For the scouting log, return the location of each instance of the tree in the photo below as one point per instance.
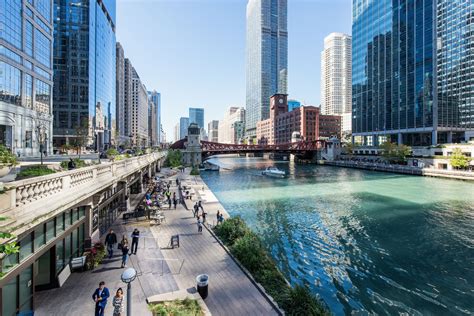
(395, 153)
(458, 160)
(82, 135)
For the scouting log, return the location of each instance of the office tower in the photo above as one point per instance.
(183, 127)
(152, 127)
(267, 58)
(336, 71)
(213, 131)
(293, 104)
(177, 132)
(196, 115)
(84, 71)
(139, 112)
(122, 136)
(411, 79)
(26, 39)
(226, 125)
(156, 99)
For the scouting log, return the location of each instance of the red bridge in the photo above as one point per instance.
(303, 149)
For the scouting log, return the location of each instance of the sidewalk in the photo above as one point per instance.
(162, 269)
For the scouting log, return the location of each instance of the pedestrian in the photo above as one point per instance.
(124, 252)
(71, 165)
(204, 217)
(200, 206)
(188, 196)
(221, 219)
(118, 302)
(217, 216)
(196, 208)
(169, 203)
(177, 181)
(199, 224)
(175, 201)
(135, 238)
(100, 296)
(110, 241)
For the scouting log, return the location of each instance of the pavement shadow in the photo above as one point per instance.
(106, 269)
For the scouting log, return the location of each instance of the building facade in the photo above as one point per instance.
(139, 112)
(156, 99)
(336, 74)
(330, 126)
(293, 104)
(226, 132)
(408, 62)
(196, 115)
(176, 132)
(121, 110)
(26, 45)
(267, 58)
(282, 124)
(152, 127)
(213, 131)
(84, 72)
(183, 127)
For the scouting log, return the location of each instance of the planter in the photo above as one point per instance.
(4, 170)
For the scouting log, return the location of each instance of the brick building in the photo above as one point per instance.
(279, 128)
(329, 126)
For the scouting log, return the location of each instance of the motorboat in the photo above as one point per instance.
(209, 166)
(274, 172)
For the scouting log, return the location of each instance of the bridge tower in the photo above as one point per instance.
(192, 154)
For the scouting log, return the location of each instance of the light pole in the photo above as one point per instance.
(127, 277)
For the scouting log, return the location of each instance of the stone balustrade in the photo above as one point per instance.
(28, 200)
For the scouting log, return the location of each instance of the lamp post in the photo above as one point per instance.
(127, 277)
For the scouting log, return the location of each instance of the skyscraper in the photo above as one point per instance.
(409, 60)
(139, 111)
(213, 131)
(26, 39)
(84, 70)
(183, 127)
(336, 83)
(267, 58)
(226, 133)
(122, 136)
(155, 97)
(196, 115)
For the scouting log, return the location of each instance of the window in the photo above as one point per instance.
(44, 7)
(67, 221)
(43, 96)
(26, 247)
(10, 84)
(59, 224)
(28, 87)
(67, 248)
(26, 289)
(10, 19)
(42, 48)
(50, 230)
(9, 295)
(59, 255)
(29, 38)
(39, 237)
(10, 54)
(28, 139)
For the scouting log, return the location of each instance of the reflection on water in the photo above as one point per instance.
(365, 242)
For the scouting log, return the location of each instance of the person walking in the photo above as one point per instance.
(196, 209)
(100, 296)
(175, 201)
(117, 302)
(110, 241)
(200, 205)
(217, 216)
(204, 217)
(124, 252)
(135, 238)
(199, 224)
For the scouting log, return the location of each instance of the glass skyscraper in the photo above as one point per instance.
(406, 57)
(267, 58)
(183, 127)
(196, 115)
(155, 97)
(84, 71)
(26, 39)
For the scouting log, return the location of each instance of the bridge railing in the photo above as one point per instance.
(28, 199)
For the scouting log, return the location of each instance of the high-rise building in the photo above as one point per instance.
(122, 136)
(177, 132)
(26, 39)
(213, 131)
(139, 112)
(226, 134)
(196, 115)
(152, 127)
(293, 104)
(336, 72)
(411, 78)
(156, 99)
(183, 127)
(267, 58)
(84, 71)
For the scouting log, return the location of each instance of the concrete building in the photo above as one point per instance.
(192, 155)
(267, 58)
(330, 126)
(139, 112)
(412, 78)
(84, 71)
(121, 110)
(26, 45)
(176, 131)
(196, 115)
(152, 127)
(183, 127)
(226, 133)
(281, 125)
(213, 131)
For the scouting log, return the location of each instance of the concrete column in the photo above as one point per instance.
(450, 137)
(434, 137)
(400, 139)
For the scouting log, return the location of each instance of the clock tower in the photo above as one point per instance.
(278, 105)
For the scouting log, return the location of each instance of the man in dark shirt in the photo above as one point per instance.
(110, 241)
(135, 238)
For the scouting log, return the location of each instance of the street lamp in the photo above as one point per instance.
(127, 277)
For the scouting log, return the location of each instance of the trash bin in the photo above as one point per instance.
(203, 285)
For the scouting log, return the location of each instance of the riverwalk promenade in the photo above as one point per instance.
(162, 269)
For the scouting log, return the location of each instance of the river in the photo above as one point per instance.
(363, 241)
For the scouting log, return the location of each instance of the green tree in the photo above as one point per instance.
(458, 160)
(395, 153)
(82, 136)
(174, 158)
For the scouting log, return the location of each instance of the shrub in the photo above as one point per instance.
(34, 171)
(6, 157)
(79, 163)
(194, 171)
(111, 152)
(177, 308)
(231, 229)
(173, 159)
(301, 301)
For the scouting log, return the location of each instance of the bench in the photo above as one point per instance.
(78, 263)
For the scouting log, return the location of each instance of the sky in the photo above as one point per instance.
(193, 51)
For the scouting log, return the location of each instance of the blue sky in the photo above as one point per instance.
(193, 51)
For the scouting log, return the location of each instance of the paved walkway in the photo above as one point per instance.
(162, 270)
